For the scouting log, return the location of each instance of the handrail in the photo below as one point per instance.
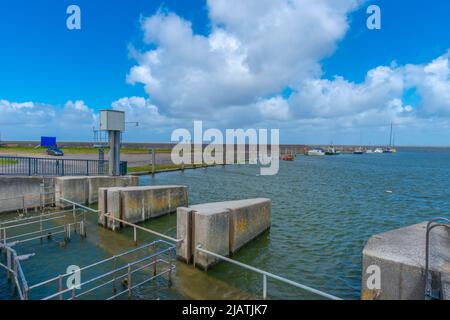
(154, 256)
(97, 263)
(267, 274)
(135, 226)
(79, 205)
(433, 223)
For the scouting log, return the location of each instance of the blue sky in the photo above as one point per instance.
(64, 72)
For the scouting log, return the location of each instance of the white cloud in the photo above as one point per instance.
(30, 120)
(255, 49)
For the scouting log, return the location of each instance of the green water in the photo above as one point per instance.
(324, 210)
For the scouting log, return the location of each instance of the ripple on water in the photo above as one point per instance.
(324, 210)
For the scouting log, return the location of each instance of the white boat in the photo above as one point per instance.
(316, 152)
(378, 150)
(369, 151)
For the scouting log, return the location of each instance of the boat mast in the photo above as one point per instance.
(390, 137)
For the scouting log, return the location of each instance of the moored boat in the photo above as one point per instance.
(316, 152)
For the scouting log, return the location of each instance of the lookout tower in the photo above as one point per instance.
(113, 121)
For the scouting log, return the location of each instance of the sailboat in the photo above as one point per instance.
(390, 148)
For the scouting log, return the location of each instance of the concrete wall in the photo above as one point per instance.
(400, 256)
(84, 189)
(106, 182)
(221, 227)
(138, 204)
(15, 192)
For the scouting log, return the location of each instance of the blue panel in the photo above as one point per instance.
(48, 141)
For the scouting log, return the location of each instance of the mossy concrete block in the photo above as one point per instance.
(220, 227)
(212, 232)
(97, 182)
(138, 204)
(184, 232)
(75, 189)
(248, 219)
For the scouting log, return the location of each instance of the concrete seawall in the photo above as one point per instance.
(138, 204)
(19, 192)
(221, 227)
(399, 257)
(84, 189)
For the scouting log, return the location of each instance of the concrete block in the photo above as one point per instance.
(107, 182)
(400, 256)
(17, 192)
(184, 232)
(220, 227)
(212, 232)
(109, 202)
(138, 204)
(143, 203)
(75, 189)
(248, 219)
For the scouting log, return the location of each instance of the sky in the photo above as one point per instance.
(310, 68)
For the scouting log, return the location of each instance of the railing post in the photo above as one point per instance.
(135, 236)
(60, 287)
(16, 283)
(153, 161)
(40, 228)
(170, 268)
(8, 263)
(26, 293)
(154, 266)
(264, 287)
(114, 275)
(129, 280)
(29, 166)
(87, 167)
(74, 210)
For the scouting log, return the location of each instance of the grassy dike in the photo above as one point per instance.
(147, 169)
(72, 150)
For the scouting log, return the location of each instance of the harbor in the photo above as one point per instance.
(314, 239)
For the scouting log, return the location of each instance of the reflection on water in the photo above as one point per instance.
(324, 209)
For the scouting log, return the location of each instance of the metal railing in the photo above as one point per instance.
(35, 230)
(14, 271)
(265, 275)
(432, 224)
(32, 166)
(132, 274)
(125, 272)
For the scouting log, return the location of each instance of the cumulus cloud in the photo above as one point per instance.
(30, 120)
(255, 49)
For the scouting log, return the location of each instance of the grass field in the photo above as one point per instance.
(159, 167)
(73, 150)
